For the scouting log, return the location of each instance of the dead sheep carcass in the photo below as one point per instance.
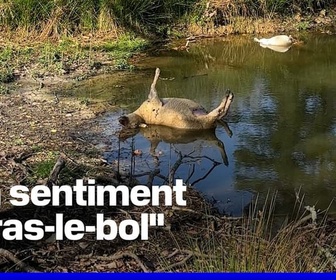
(175, 112)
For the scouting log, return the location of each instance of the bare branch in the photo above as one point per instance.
(116, 257)
(10, 256)
(59, 165)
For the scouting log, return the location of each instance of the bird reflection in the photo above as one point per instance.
(281, 49)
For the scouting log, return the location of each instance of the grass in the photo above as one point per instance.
(59, 18)
(42, 169)
(259, 244)
(6, 72)
(6, 75)
(59, 24)
(122, 49)
(126, 43)
(152, 18)
(67, 55)
(268, 8)
(4, 89)
(67, 37)
(255, 16)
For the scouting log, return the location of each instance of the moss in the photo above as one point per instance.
(42, 169)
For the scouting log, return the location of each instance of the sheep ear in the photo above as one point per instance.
(153, 93)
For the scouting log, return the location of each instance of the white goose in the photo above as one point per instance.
(279, 40)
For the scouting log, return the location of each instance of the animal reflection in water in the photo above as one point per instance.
(190, 147)
(280, 49)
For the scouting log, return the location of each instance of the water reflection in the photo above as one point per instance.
(283, 117)
(159, 155)
(280, 49)
(156, 134)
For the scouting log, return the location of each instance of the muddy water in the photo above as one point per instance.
(283, 121)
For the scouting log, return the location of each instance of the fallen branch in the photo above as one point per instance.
(312, 215)
(116, 257)
(207, 174)
(59, 165)
(10, 256)
(176, 165)
(224, 218)
(23, 156)
(196, 75)
(330, 257)
(151, 177)
(182, 262)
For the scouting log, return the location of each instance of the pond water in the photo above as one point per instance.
(282, 119)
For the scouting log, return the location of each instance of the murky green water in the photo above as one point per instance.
(283, 121)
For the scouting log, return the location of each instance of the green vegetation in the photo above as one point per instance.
(59, 17)
(3, 89)
(237, 16)
(259, 8)
(292, 250)
(43, 169)
(124, 45)
(6, 75)
(65, 36)
(56, 18)
(68, 55)
(6, 72)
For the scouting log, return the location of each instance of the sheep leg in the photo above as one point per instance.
(223, 108)
(153, 93)
(226, 127)
(222, 151)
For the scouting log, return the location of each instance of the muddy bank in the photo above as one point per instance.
(37, 125)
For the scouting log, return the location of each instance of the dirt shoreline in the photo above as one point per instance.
(37, 122)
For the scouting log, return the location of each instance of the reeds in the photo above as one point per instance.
(263, 242)
(150, 17)
(60, 17)
(261, 8)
